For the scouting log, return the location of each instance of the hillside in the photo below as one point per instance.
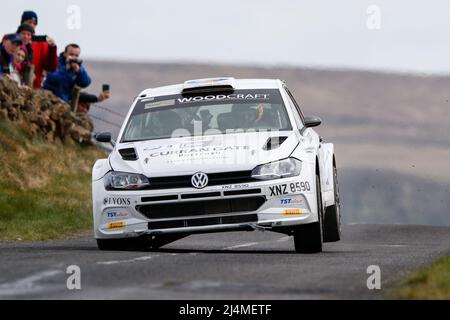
(45, 170)
(390, 130)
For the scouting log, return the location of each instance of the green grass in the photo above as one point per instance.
(432, 282)
(45, 189)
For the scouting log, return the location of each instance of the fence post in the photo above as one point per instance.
(75, 97)
(28, 75)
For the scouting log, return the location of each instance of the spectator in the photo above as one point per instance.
(26, 31)
(70, 72)
(9, 47)
(44, 53)
(18, 64)
(86, 99)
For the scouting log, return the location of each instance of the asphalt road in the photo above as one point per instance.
(238, 265)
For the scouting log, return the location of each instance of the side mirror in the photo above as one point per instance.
(312, 121)
(103, 137)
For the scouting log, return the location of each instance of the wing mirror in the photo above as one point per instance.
(312, 121)
(104, 137)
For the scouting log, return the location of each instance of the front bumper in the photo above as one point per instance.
(259, 205)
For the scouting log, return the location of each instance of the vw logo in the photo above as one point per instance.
(199, 180)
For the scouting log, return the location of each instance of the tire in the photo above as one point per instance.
(123, 244)
(308, 238)
(332, 221)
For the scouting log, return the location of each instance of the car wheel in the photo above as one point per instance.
(332, 221)
(308, 237)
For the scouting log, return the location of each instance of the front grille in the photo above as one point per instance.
(246, 218)
(214, 179)
(198, 208)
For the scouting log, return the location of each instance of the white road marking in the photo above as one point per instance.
(392, 245)
(241, 245)
(255, 243)
(27, 284)
(138, 259)
(284, 239)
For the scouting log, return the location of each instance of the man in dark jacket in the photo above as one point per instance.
(45, 54)
(8, 48)
(70, 72)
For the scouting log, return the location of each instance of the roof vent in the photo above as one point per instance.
(209, 85)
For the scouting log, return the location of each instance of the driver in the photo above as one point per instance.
(165, 122)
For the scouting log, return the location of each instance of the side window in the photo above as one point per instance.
(298, 116)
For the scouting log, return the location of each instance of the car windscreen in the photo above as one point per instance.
(206, 113)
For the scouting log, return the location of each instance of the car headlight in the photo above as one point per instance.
(288, 167)
(123, 180)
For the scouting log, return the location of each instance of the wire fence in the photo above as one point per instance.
(109, 111)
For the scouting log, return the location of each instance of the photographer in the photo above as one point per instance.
(86, 99)
(70, 72)
(43, 48)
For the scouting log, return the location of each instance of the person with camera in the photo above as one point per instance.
(8, 49)
(43, 49)
(69, 73)
(84, 103)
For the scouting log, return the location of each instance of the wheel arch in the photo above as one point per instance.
(326, 160)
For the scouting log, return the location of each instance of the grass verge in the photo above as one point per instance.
(45, 189)
(431, 282)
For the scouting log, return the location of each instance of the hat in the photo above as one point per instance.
(14, 38)
(25, 27)
(27, 15)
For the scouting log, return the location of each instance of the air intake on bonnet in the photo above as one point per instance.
(273, 143)
(128, 154)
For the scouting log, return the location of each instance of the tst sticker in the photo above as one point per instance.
(291, 200)
(112, 215)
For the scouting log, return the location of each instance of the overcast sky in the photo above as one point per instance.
(387, 35)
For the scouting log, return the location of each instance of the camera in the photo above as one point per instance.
(42, 38)
(105, 87)
(77, 61)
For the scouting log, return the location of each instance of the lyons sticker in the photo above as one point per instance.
(118, 201)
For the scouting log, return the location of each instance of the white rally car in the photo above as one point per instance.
(214, 155)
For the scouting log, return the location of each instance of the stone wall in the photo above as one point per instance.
(41, 114)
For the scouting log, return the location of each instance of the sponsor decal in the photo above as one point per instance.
(291, 200)
(116, 225)
(162, 103)
(116, 215)
(288, 188)
(225, 97)
(288, 212)
(191, 152)
(118, 201)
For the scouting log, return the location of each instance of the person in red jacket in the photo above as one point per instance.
(45, 54)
